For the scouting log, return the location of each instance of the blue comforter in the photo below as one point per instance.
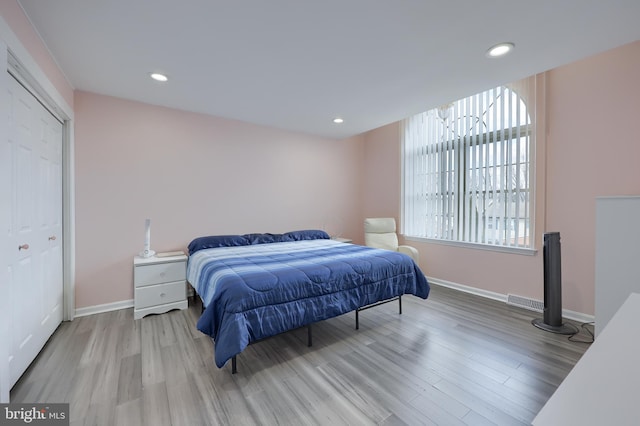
(256, 291)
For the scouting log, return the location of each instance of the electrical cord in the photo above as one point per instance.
(584, 327)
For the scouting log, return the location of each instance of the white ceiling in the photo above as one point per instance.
(296, 64)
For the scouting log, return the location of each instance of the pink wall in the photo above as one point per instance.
(591, 149)
(195, 175)
(382, 173)
(14, 16)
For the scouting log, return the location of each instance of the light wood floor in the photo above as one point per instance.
(452, 359)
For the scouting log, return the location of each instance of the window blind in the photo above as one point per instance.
(467, 168)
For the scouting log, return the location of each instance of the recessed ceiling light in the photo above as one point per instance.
(158, 77)
(500, 50)
(338, 120)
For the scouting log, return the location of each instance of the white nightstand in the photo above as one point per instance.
(159, 284)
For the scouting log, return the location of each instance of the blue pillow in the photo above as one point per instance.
(308, 234)
(215, 241)
(263, 238)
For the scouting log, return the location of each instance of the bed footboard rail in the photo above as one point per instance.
(373, 305)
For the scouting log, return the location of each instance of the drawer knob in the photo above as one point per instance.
(162, 274)
(162, 294)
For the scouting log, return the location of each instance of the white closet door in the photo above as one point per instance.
(35, 234)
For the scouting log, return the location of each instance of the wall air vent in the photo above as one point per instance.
(525, 302)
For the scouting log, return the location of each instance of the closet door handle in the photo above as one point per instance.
(23, 247)
(52, 238)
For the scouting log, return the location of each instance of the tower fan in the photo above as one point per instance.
(552, 313)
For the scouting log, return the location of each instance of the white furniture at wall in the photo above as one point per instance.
(603, 387)
(617, 263)
(159, 284)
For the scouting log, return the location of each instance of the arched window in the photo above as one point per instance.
(467, 169)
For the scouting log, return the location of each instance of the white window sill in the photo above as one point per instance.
(475, 246)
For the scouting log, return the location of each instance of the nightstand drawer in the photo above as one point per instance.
(157, 273)
(159, 294)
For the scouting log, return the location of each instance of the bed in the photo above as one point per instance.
(254, 286)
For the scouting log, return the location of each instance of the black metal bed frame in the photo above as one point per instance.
(373, 305)
(234, 364)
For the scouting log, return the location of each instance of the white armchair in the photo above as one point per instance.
(381, 233)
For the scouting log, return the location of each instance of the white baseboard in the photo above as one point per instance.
(566, 313)
(107, 307)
